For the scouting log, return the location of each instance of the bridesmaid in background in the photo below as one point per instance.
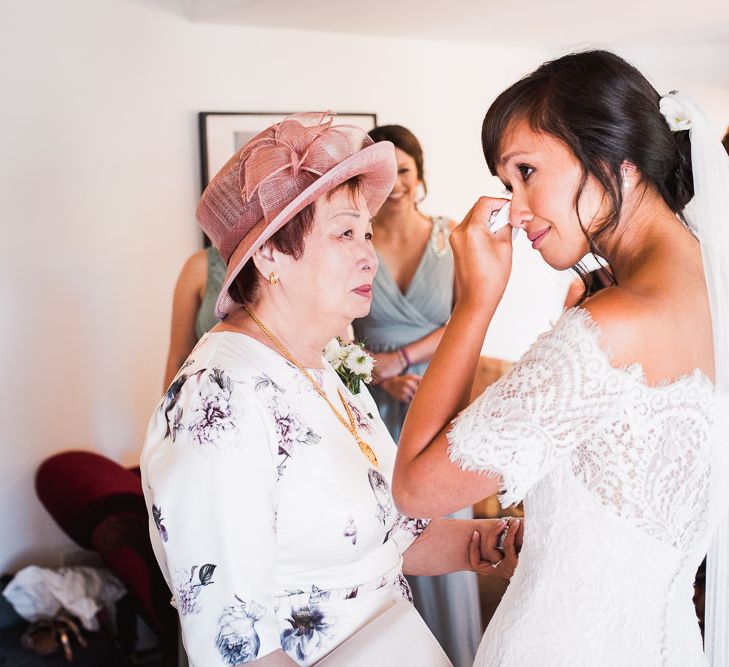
(412, 299)
(193, 306)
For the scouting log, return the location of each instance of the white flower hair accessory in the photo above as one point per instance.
(352, 363)
(676, 112)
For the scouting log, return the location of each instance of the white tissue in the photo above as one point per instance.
(499, 219)
(37, 592)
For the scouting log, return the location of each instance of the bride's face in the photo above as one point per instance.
(544, 177)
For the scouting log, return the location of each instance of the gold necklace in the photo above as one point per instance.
(348, 423)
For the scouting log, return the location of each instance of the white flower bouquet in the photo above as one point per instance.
(351, 362)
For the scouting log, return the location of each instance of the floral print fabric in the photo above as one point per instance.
(273, 531)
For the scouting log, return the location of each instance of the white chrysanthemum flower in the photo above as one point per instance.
(359, 362)
(332, 351)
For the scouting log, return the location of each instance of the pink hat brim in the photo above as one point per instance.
(375, 164)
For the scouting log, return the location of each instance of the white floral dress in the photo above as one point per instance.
(270, 526)
(621, 489)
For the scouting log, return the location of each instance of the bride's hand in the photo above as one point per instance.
(482, 259)
(510, 548)
(484, 556)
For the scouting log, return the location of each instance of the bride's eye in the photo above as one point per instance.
(526, 171)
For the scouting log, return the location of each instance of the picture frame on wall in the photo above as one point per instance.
(222, 133)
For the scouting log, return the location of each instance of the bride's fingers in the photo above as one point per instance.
(482, 210)
(511, 535)
(477, 563)
(489, 545)
(519, 537)
(511, 556)
(482, 259)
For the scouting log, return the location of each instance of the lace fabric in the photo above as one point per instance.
(600, 458)
(707, 215)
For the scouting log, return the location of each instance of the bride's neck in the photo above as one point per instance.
(649, 230)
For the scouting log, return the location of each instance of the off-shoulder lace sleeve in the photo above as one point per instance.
(527, 422)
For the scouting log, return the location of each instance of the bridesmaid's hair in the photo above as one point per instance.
(406, 141)
(605, 111)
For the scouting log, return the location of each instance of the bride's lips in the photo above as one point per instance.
(363, 290)
(537, 237)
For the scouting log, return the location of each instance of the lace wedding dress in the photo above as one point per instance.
(620, 487)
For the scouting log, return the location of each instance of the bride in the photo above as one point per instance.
(611, 426)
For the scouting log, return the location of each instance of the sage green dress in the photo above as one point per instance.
(206, 318)
(450, 603)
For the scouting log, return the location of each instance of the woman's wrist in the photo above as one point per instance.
(404, 358)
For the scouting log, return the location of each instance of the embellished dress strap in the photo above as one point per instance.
(439, 235)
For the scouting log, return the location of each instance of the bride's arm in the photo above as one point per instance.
(426, 482)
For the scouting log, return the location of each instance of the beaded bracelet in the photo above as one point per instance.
(404, 355)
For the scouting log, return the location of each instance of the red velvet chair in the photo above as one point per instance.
(99, 504)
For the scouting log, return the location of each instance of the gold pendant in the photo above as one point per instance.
(368, 452)
(352, 427)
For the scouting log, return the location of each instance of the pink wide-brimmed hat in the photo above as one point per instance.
(280, 172)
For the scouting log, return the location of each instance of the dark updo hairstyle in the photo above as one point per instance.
(406, 141)
(605, 111)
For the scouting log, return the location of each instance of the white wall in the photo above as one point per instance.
(99, 180)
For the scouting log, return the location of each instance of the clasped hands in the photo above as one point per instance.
(491, 553)
(388, 366)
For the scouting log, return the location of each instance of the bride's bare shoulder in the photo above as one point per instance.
(627, 323)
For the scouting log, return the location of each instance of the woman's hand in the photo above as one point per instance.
(484, 556)
(402, 387)
(482, 259)
(388, 364)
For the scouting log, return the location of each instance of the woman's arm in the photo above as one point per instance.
(189, 292)
(426, 482)
(424, 348)
(391, 364)
(200, 477)
(454, 545)
(277, 658)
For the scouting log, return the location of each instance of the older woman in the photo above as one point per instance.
(267, 479)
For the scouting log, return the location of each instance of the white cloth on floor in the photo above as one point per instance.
(38, 592)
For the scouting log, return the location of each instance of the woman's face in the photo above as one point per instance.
(332, 280)
(405, 192)
(543, 176)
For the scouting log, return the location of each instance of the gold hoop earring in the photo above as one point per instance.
(272, 278)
